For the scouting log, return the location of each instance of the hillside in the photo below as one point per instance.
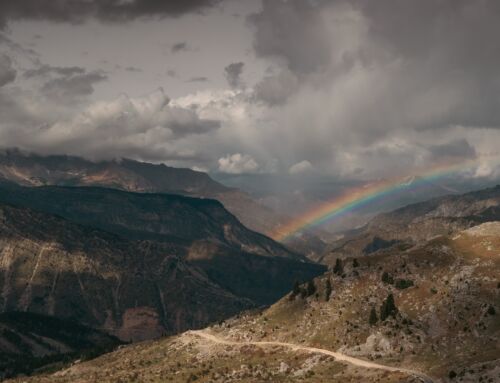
(29, 169)
(441, 325)
(416, 223)
(28, 342)
(161, 217)
(135, 289)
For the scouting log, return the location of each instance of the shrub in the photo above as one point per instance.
(491, 310)
(402, 284)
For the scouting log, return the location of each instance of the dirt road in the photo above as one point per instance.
(294, 347)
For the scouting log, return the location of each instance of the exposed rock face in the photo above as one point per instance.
(418, 223)
(51, 266)
(137, 265)
(28, 341)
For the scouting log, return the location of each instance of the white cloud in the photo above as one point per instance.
(300, 167)
(237, 164)
(145, 128)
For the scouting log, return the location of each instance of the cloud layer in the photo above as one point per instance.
(77, 11)
(356, 89)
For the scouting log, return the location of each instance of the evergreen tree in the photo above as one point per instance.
(328, 289)
(373, 317)
(387, 278)
(388, 308)
(355, 263)
(311, 288)
(295, 290)
(339, 267)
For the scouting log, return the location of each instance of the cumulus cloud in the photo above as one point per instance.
(145, 128)
(237, 164)
(7, 71)
(233, 73)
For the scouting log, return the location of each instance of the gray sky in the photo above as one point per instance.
(355, 89)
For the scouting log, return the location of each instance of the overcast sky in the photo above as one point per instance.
(359, 89)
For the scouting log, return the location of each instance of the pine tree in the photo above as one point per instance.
(328, 289)
(387, 278)
(295, 290)
(338, 268)
(388, 308)
(355, 263)
(373, 317)
(311, 288)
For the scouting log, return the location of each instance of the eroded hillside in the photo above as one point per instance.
(431, 311)
(135, 289)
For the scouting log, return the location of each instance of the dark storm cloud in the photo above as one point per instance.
(294, 31)
(7, 71)
(379, 82)
(76, 11)
(233, 73)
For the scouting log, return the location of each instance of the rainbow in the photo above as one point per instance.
(364, 195)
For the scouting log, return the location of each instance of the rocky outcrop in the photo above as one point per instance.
(417, 223)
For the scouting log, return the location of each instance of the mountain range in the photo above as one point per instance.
(412, 224)
(29, 169)
(115, 249)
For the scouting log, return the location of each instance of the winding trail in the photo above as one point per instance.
(294, 347)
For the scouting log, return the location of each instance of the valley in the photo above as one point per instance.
(442, 325)
(413, 296)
